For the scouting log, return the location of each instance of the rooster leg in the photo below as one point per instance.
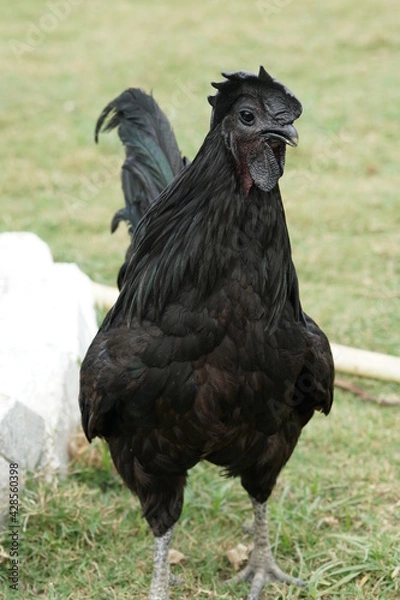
(161, 575)
(262, 567)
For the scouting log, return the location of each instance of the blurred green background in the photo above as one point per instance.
(62, 62)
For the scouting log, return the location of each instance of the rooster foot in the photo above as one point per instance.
(262, 567)
(260, 574)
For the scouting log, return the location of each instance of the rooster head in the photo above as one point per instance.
(256, 114)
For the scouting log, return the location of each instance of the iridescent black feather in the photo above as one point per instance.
(152, 159)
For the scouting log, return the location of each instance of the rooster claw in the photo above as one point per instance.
(261, 575)
(248, 529)
(175, 580)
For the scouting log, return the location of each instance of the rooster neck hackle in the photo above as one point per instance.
(197, 234)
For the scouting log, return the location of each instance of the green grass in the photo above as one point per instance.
(334, 520)
(335, 512)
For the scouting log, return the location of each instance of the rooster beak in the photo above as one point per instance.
(287, 134)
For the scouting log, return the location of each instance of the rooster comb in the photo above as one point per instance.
(243, 82)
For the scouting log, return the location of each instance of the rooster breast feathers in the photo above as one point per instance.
(206, 376)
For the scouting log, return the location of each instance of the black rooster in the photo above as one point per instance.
(207, 353)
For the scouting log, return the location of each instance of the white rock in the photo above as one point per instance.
(47, 320)
(22, 432)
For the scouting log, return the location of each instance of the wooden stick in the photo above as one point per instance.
(365, 363)
(105, 296)
(347, 360)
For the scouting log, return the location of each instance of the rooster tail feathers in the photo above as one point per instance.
(152, 159)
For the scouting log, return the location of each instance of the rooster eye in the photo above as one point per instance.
(247, 117)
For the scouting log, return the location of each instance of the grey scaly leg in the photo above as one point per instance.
(262, 567)
(160, 580)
